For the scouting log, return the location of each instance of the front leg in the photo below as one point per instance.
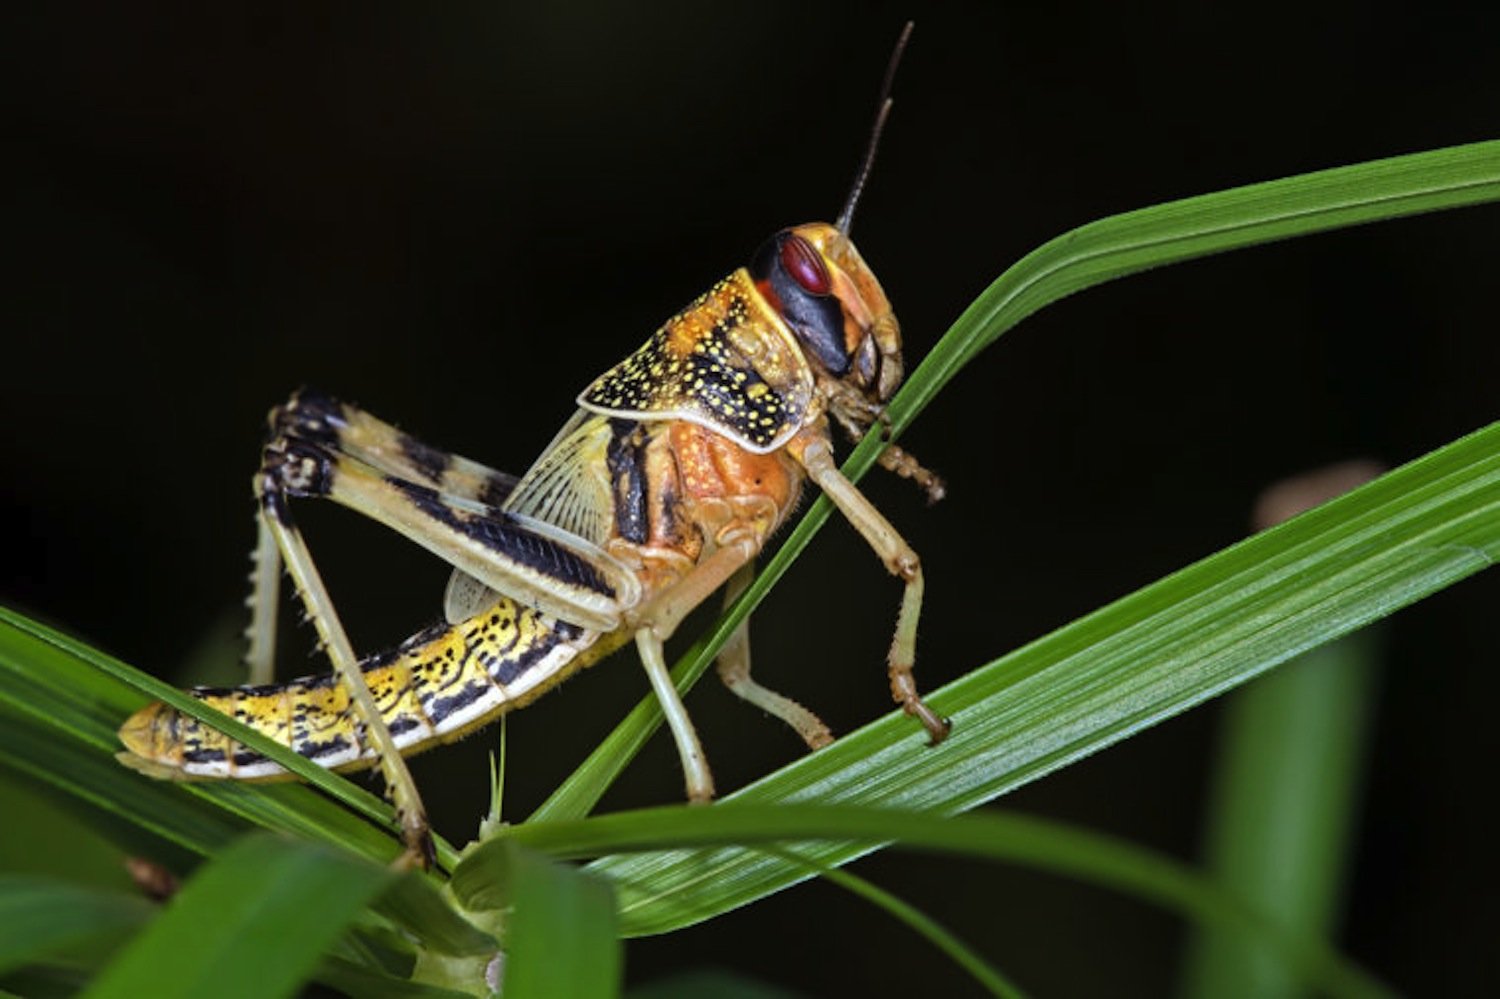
(899, 558)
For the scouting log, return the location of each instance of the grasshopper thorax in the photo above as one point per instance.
(815, 280)
(804, 329)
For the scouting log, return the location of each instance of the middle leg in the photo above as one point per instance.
(734, 670)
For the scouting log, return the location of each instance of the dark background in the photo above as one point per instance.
(456, 215)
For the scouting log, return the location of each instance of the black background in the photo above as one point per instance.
(457, 214)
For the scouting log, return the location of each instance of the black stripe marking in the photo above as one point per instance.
(274, 503)
(499, 533)
(626, 460)
(385, 657)
(443, 707)
(313, 750)
(511, 669)
(403, 723)
(319, 681)
(299, 467)
(428, 460)
(497, 488)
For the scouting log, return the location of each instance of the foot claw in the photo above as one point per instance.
(936, 725)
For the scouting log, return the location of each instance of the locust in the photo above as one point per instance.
(677, 467)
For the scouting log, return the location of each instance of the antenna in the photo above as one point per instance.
(882, 112)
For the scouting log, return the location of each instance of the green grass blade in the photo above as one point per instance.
(562, 937)
(415, 904)
(354, 980)
(1129, 665)
(1090, 255)
(96, 707)
(46, 919)
(1285, 794)
(81, 695)
(136, 814)
(250, 924)
(707, 835)
(1123, 668)
(1169, 233)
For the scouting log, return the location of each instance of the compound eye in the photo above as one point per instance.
(802, 262)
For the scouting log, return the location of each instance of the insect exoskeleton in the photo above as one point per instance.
(678, 465)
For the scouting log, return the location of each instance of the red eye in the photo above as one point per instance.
(802, 262)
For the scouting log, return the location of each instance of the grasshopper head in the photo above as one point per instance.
(817, 282)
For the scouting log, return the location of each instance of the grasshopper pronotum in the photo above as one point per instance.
(679, 464)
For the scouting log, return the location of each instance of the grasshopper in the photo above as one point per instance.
(679, 464)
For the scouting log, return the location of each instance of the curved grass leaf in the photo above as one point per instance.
(1090, 255)
(135, 814)
(562, 938)
(250, 924)
(723, 830)
(414, 904)
(1107, 675)
(73, 697)
(1152, 654)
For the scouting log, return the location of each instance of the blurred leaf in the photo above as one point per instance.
(1285, 791)
(354, 980)
(414, 904)
(251, 923)
(705, 837)
(43, 919)
(562, 936)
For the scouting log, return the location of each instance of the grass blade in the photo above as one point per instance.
(250, 924)
(1082, 258)
(78, 695)
(1285, 795)
(725, 830)
(415, 904)
(558, 910)
(1129, 665)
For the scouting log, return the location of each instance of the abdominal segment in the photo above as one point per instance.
(434, 687)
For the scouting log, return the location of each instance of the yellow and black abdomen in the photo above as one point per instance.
(435, 687)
